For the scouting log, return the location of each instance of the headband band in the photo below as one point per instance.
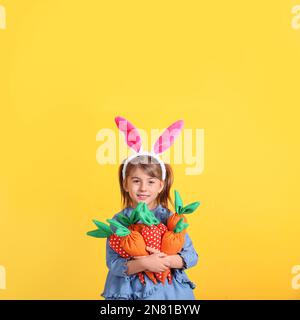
(151, 154)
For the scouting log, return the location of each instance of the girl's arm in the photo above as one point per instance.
(155, 262)
(175, 261)
(135, 266)
(188, 253)
(115, 263)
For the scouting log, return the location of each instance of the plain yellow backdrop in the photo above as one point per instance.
(231, 68)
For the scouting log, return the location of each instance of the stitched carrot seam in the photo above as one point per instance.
(114, 241)
(180, 211)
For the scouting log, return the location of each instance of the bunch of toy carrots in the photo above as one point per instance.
(129, 236)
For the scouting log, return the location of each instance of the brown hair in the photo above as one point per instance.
(152, 168)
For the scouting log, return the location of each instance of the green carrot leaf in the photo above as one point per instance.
(102, 226)
(120, 229)
(146, 215)
(155, 220)
(145, 218)
(180, 226)
(99, 233)
(151, 215)
(178, 202)
(190, 207)
(123, 219)
(134, 216)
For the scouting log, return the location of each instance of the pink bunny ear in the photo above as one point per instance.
(132, 136)
(168, 137)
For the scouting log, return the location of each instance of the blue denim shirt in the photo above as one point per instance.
(119, 285)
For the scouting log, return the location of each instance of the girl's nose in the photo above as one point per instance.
(143, 186)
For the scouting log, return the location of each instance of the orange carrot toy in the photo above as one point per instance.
(180, 211)
(172, 243)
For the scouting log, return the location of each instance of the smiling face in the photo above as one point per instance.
(143, 188)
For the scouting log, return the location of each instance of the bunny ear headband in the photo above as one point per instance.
(133, 140)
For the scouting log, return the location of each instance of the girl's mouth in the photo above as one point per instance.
(142, 196)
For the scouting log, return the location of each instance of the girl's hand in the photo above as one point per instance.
(156, 262)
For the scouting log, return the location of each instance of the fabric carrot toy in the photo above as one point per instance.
(180, 211)
(132, 242)
(152, 232)
(114, 241)
(172, 243)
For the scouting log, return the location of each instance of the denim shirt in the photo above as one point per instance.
(119, 285)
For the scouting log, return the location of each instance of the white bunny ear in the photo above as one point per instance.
(167, 138)
(132, 136)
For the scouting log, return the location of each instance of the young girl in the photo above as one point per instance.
(143, 182)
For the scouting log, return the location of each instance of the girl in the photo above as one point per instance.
(145, 178)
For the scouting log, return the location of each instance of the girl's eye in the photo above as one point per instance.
(135, 181)
(151, 182)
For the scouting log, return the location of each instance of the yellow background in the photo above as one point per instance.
(67, 68)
